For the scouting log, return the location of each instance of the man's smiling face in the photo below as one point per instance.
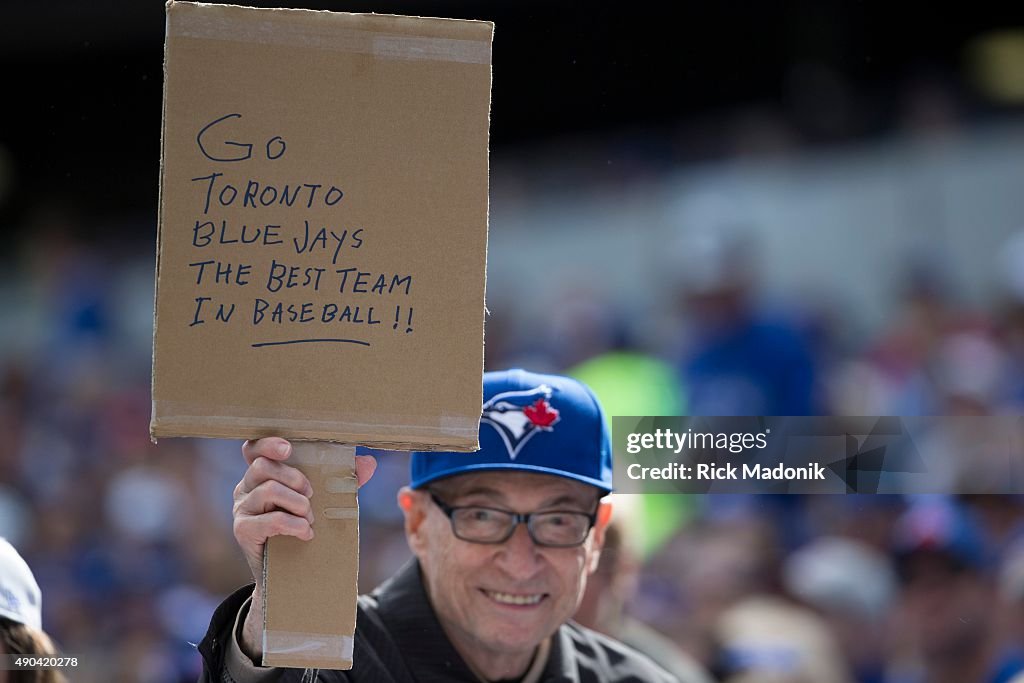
(505, 598)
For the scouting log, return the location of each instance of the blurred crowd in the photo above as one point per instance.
(131, 542)
(872, 589)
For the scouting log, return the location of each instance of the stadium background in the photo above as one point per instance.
(836, 185)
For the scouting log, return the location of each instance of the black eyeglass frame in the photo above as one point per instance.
(517, 519)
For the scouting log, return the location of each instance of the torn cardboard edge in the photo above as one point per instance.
(309, 614)
(160, 216)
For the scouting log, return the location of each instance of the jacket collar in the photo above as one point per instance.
(410, 619)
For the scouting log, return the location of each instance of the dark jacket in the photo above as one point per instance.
(399, 639)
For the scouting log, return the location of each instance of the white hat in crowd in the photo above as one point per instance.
(20, 597)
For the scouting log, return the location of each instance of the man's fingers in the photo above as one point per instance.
(263, 469)
(273, 495)
(366, 465)
(272, 447)
(256, 529)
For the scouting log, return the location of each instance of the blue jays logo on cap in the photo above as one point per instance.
(517, 407)
(518, 415)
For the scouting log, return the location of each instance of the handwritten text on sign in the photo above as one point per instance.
(314, 258)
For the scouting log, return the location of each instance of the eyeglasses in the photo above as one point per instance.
(552, 529)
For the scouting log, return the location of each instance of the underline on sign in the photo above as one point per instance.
(312, 341)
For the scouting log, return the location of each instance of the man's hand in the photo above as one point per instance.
(273, 499)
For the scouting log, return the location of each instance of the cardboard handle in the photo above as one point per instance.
(310, 587)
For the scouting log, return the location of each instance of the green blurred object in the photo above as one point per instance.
(632, 383)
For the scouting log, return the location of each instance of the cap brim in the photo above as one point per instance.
(492, 467)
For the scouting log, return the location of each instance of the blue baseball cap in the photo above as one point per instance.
(943, 527)
(535, 423)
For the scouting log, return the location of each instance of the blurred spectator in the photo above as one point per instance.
(853, 587)
(708, 567)
(603, 608)
(21, 627)
(765, 639)
(1011, 594)
(946, 630)
(628, 382)
(1012, 318)
(934, 359)
(741, 358)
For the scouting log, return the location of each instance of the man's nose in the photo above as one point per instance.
(519, 556)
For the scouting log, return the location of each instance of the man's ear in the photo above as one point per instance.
(412, 505)
(604, 515)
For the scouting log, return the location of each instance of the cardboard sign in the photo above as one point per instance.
(323, 227)
(320, 263)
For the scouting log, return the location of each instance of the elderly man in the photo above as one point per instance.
(503, 539)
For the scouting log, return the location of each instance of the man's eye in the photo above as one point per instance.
(480, 515)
